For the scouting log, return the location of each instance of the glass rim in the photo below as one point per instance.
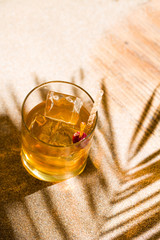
(46, 83)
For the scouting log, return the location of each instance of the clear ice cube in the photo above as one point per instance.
(52, 132)
(61, 134)
(63, 107)
(38, 121)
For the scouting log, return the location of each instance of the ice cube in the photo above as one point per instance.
(46, 131)
(56, 133)
(63, 107)
(43, 127)
(38, 121)
(51, 131)
(62, 136)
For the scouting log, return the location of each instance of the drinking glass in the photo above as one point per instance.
(45, 159)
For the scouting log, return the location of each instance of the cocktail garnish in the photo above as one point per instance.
(94, 110)
(82, 127)
(77, 137)
(80, 134)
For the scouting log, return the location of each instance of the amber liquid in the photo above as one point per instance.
(47, 149)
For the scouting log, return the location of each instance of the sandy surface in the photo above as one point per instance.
(117, 196)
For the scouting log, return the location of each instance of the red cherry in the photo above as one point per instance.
(77, 138)
(83, 136)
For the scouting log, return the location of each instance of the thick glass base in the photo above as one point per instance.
(49, 177)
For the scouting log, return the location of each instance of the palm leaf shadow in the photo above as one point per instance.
(141, 184)
(53, 212)
(152, 169)
(81, 74)
(149, 130)
(153, 219)
(80, 78)
(90, 199)
(43, 92)
(141, 226)
(151, 126)
(134, 206)
(149, 158)
(28, 215)
(155, 236)
(152, 173)
(14, 98)
(110, 139)
(134, 189)
(15, 182)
